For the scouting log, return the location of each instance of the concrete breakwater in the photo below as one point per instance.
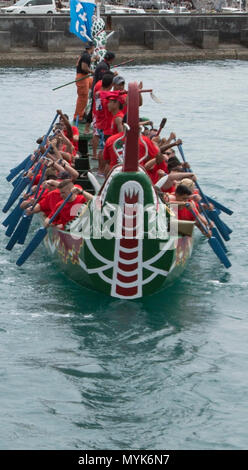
(37, 39)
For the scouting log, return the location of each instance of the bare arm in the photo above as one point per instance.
(35, 210)
(150, 164)
(140, 86)
(106, 169)
(66, 122)
(62, 165)
(60, 155)
(172, 177)
(87, 195)
(119, 124)
(70, 146)
(170, 145)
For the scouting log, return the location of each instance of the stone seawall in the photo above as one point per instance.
(45, 39)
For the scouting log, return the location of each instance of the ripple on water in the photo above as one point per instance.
(84, 372)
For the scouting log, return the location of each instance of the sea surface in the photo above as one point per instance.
(78, 371)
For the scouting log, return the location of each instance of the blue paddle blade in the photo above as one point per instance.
(17, 181)
(12, 216)
(20, 232)
(11, 228)
(228, 229)
(23, 228)
(14, 222)
(218, 222)
(35, 242)
(213, 242)
(216, 235)
(220, 206)
(11, 175)
(12, 241)
(18, 168)
(14, 196)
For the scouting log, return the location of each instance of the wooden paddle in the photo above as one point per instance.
(153, 97)
(161, 126)
(91, 73)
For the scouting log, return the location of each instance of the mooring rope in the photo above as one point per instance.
(174, 37)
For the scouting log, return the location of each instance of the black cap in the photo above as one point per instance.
(89, 45)
(109, 55)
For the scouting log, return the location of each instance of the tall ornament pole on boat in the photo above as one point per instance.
(99, 35)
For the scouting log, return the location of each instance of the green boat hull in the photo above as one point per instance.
(117, 260)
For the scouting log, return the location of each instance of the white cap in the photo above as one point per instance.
(161, 182)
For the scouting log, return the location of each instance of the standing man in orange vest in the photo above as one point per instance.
(83, 86)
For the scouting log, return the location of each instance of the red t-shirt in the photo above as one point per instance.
(113, 124)
(48, 202)
(44, 194)
(185, 214)
(109, 154)
(97, 88)
(75, 132)
(68, 212)
(153, 172)
(171, 190)
(124, 109)
(108, 116)
(31, 198)
(151, 149)
(37, 178)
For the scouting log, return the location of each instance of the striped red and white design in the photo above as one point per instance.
(128, 257)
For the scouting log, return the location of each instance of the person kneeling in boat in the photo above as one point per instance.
(113, 151)
(72, 207)
(49, 184)
(157, 167)
(71, 132)
(183, 194)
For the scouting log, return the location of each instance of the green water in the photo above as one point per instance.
(81, 372)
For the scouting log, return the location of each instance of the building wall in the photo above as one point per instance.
(24, 28)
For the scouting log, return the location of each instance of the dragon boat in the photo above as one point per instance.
(125, 243)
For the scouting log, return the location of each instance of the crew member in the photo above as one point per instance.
(83, 86)
(70, 210)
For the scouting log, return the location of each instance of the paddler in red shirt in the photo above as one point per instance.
(147, 149)
(70, 210)
(115, 106)
(119, 85)
(71, 132)
(98, 112)
(183, 194)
